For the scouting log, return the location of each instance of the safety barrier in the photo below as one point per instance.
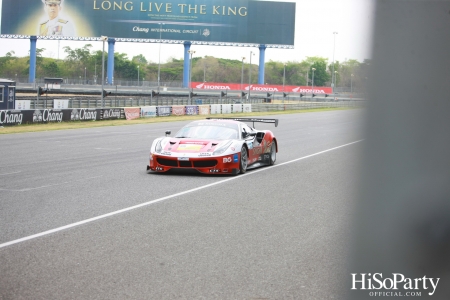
(36, 116)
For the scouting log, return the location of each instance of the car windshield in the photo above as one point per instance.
(209, 131)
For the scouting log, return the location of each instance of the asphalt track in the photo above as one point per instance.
(80, 218)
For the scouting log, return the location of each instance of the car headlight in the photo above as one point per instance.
(223, 148)
(160, 145)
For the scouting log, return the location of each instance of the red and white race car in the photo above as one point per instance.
(215, 146)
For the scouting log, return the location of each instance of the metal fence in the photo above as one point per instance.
(258, 105)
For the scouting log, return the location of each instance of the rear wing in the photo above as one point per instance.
(252, 120)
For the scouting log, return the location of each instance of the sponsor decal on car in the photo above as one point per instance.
(235, 158)
(204, 154)
(257, 151)
(183, 158)
(227, 160)
(189, 147)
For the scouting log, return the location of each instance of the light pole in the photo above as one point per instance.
(242, 78)
(138, 78)
(191, 52)
(351, 85)
(104, 39)
(312, 82)
(250, 75)
(333, 75)
(159, 54)
(84, 75)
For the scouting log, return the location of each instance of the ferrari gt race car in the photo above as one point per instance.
(215, 146)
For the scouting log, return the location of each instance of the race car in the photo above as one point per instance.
(215, 146)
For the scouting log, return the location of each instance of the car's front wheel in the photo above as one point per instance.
(243, 162)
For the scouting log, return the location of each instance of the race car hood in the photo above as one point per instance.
(184, 145)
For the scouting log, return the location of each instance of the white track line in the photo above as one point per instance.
(37, 235)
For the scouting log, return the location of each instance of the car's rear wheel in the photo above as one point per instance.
(243, 162)
(273, 153)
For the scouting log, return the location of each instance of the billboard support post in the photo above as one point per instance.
(103, 39)
(110, 65)
(262, 52)
(191, 52)
(32, 73)
(187, 47)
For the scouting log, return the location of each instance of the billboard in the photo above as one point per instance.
(266, 88)
(208, 21)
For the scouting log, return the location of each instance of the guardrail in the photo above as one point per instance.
(46, 102)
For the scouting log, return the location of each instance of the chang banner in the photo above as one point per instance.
(229, 21)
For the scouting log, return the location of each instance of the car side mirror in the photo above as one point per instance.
(168, 132)
(246, 134)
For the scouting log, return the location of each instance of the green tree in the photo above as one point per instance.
(77, 59)
(172, 71)
(125, 68)
(321, 76)
(50, 69)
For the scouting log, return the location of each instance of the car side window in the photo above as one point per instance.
(246, 130)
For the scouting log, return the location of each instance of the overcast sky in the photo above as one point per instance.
(316, 20)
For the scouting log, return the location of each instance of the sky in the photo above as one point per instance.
(316, 20)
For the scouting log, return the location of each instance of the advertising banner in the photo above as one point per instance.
(11, 117)
(203, 110)
(178, 110)
(148, 111)
(132, 113)
(192, 110)
(60, 104)
(268, 88)
(163, 111)
(113, 114)
(237, 108)
(226, 108)
(22, 104)
(84, 114)
(36, 116)
(229, 21)
(215, 109)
